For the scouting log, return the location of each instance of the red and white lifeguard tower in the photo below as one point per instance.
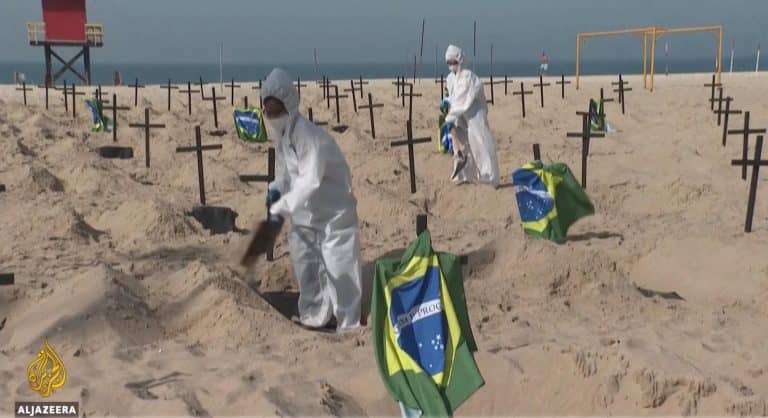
(65, 25)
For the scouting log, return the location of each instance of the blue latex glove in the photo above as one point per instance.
(449, 126)
(273, 195)
(445, 105)
(276, 219)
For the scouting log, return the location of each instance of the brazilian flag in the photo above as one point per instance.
(101, 123)
(249, 124)
(550, 199)
(421, 334)
(596, 115)
(444, 140)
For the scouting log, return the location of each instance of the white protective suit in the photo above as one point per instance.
(469, 113)
(315, 183)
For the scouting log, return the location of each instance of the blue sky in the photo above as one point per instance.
(286, 31)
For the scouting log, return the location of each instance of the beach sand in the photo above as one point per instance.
(152, 316)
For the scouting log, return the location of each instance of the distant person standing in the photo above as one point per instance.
(544, 63)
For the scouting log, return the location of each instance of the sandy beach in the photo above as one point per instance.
(656, 305)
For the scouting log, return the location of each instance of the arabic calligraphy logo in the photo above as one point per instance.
(46, 372)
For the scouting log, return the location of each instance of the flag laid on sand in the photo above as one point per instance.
(421, 333)
(596, 115)
(100, 123)
(250, 125)
(445, 142)
(550, 199)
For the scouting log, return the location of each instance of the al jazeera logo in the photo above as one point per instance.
(46, 374)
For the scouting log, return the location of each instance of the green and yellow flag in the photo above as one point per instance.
(421, 333)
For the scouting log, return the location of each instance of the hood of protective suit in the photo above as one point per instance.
(454, 53)
(280, 86)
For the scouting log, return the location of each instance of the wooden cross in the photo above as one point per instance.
(189, 92)
(24, 89)
(312, 119)
(602, 97)
(199, 148)
(337, 96)
(115, 108)
(745, 144)
(727, 112)
(215, 99)
(299, 86)
(269, 178)
(325, 85)
(354, 97)
(541, 86)
(755, 163)
(169, 87)
(232, 86)
(586, 135)
(400, 84)
(2, 188)
(421, 226)
(562, 84)
(260, 99)
(410, 141)
(370, 107)
(136, 86)
(202, 88)
(491, 83)
(45, 86)
(536, 152)
(74, 100)
(410, 95)
(7, 279)
(66, 99)
(442, 84)
(719, 101)
(522, 94)
(360, 84)
(621, 90)
(100, 95)
(712, 98)
(146, 126)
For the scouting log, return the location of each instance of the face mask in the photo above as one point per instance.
(454, 68)
(276, 127)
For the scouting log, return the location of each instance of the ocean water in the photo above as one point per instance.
(154, 73)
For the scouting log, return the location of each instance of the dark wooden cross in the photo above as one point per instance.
(727, 112)
(536, 152)
(370, 108)
(46, 86)
(522, 94)
(299, 86)
(189, 92)
(755, 163)
(586, 135)
(232, 86)
(100, 95)
(75, 93)
(506, 84)
(337, 96)
(199, 148)
(541, 86)
(215, 99)
(260, 99)
(7, 279)
(562, 84)
(325, 86)
(354, 96)
(712, 98)
(66, 99)
(202, 88)
(603, 98)
(114, 109)
(410, 141)
(719, 101)
(442, 84)
(136, 86)
(2, 188)
(269, 178)
(621, 90)
(169, 87)
(360, 84)
(410, 95)
(421, 226)
(400, 84)
(146, 126)
(24, 91)
(491, 83)
(312, 119)
(745, 142)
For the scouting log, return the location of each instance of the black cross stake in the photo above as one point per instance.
(270, 177)
(46, 87)
(66, 99)
(712, 98)
(199, 148)
(169, 87)
(189, 92)
(506, 83)
(100, 95)
(522, 94)
(491, 83)
(410, 95)
(410, 141)
(258, 88)
(146, 126)
(745, 144)
(621, 90)
(114, 109)
(337, 96)
(442, 84)
(585, 135)
(727, 112)
(360, 84)
(602, 97)
(325, 86)
(536, 152)
(354, 97)
(312, 119)
(400, 84)
(719, 101)
(562, 84)
(232, 86)
(136, 86)
(24, 89)
(202, 88)
(215, 99)
(541, 86)
(75, 93)
(755, 163)
(370, 107)
(7, 279)
(299, 86)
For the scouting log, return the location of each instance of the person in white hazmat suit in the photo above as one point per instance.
(474, 147)
(313, 189)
